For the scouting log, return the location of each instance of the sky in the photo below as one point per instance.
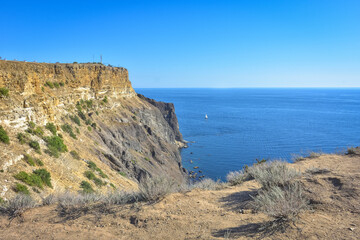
(197, 43)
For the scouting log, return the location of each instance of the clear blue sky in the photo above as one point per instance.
(249, 43)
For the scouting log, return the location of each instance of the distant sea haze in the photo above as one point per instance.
(246, 124)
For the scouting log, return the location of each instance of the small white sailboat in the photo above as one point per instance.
(206, 116)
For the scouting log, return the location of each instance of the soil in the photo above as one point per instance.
(332, 184)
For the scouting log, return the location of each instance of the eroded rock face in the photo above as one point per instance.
(168, 112)
(133, 135)
(29, 78)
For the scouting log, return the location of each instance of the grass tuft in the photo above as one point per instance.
(86, 187)
(75, 155)
(51, 127)
(4, 92)
(3, 136)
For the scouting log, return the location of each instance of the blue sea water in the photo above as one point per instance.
(245, 124)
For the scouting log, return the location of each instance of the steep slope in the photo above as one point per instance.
(100, 119)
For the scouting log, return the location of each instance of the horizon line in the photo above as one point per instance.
(357, 87)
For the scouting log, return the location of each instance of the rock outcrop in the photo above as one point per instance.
(127, 136)
(168, 112)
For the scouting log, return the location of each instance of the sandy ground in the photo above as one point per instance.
(335, 212)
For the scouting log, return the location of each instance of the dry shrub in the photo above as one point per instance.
(207, 184)
(303, 156)
(156, 188)
(281, 195)
(237, 177)
(276, 173)
(49, 200)
(283, 204)
(69, 199)
(353, 151)
(16, 206)
(315, 154)
(121, 197)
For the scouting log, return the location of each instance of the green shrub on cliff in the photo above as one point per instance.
(29, 160)
(75, 119)
(37, 178)
(20, 188)
(68, 129)
(49, 84)
(86, 187)
(82, 115)
(89, 103)
(51, 127)
(35, 145)
(93, 167)
(39, 162)
(3, 136)
(98, 182)
(89, 175)
(23, 138)
(32, 125)
(75, 155)
(4, 92)
(44, 175)
(55, 146)
(31, 180)
(38, 131)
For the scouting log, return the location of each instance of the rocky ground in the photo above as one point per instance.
(332, 183)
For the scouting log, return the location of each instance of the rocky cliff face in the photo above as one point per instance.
(168, 112)
(126, 136)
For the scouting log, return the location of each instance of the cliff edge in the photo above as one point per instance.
(109, 132)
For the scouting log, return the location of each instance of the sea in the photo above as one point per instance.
(245, 124)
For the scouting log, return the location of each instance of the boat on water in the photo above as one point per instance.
(206, 116)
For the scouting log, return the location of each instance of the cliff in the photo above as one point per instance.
(99, 117)
(168, 112)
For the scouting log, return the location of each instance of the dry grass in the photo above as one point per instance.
(16, 206)
(207, 184)
(237, 177)
(156, 188)
(271, 174)
(281, 196)
(303, 156)
(121, 197)
(283, 204)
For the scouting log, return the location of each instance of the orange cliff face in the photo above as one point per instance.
(43, 89)
(29, 78)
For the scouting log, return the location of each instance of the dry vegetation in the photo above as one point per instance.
(271, 200)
